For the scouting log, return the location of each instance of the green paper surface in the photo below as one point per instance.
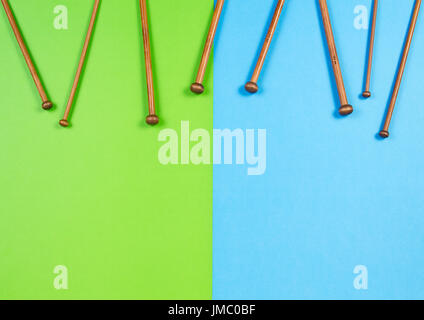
(94, 197)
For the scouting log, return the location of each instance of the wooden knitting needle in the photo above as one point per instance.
(384, 133)
(197, 87)
(64, 122)
(367, 92)
(345, 108)
(252, 86)
(152, 118)
(46, 103)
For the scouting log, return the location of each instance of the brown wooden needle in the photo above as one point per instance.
(46, 103)
(252, 85)
(152, 118)
(64, 122)
(345, 108)
(367, 92)
(384, 133)
(197, 87)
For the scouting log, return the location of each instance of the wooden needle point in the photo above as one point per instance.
(366, 94)
(197, 86)
(46, 103)
(64, 121)
(345, 108)
(384, 133)
(252, 85)
(152, 119)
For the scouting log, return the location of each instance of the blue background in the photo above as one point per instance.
(334, 195)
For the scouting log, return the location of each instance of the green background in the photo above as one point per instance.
(94, 197)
